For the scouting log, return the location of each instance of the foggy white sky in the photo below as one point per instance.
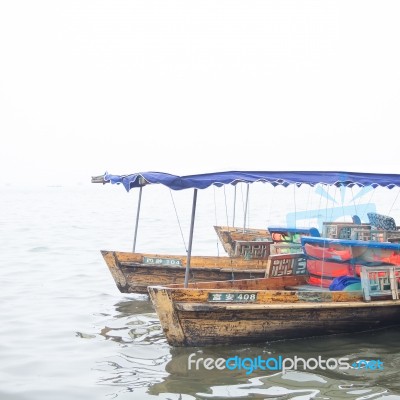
(194, 86)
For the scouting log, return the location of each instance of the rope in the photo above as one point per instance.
(369, 202)
(394, 202)
(355, 206)
(234, 208)
(215, 208)
(216, 221)
(333, 203)
(272, 198)
(295, 209)
(320, 200)
(326, 205)
(342, 204)
(226, 208)
(177, 217)
(243, 205)
(308, 212)
(358, 204)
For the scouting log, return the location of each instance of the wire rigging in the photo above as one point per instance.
(295, 209)
(355, 205)
(177, 217)
(226, 208)
(391, 207)
(216, 220)
(362, 216)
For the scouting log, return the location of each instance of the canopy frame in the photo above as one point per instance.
(275, 178)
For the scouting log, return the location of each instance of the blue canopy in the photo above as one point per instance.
(275, 178)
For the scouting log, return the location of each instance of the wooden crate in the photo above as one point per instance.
(346, 230)
(381, 281)
(385, 236)
(293, 264)
(252, 249)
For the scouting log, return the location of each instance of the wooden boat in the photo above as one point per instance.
(281, 305)
(134, 272)
(276, 307)
(229, 236)
(266, 309)
(255, 243)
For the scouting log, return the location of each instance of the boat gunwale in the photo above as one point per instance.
(193, 306)
(234, 268)
(125, 258)
(283, 297)
(349, 242)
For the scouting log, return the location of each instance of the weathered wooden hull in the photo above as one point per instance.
(189, 318)
(269, 324)
(132, 275)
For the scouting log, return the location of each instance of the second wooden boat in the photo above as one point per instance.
(134, 272)
(229, 237)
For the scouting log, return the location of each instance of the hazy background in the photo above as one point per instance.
(192, 86)
(182, 87)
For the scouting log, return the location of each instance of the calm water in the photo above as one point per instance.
(67, 333)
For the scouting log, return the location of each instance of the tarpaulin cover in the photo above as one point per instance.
(275, 178)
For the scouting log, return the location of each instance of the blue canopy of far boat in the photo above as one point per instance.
(275, 178)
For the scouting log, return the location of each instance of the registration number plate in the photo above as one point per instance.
(162, 261)
(236, 297)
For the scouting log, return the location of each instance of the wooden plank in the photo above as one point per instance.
(267, 296)
(276, 306)
(196, 261)
(165, 275)
(245, 284)
(260, 325)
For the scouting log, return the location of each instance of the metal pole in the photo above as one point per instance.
(189, 253)
(234, 207)
(137, 218)
(245, 208)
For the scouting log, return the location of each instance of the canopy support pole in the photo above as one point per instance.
(189, 252)
(245, 207)
(234, 207)
(137, 218)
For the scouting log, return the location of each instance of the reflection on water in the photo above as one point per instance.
(140, 304)
(134, 322)
(146, 363)
(292, 385)
(143, 352)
